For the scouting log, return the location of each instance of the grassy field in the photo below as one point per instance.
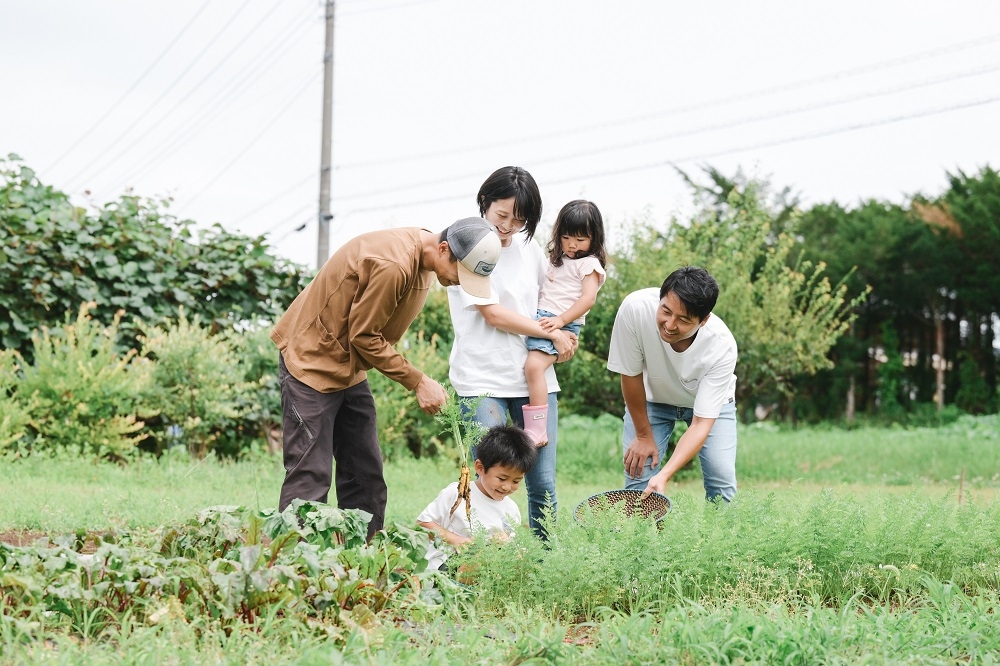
(867, 546)
(65, 493)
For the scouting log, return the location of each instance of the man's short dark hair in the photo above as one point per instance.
(695, 288)
(508, 446)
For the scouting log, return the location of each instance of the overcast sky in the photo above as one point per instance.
(218, 103)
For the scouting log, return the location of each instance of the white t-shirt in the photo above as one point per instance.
(485, 359)
(701, 376)
(563, 285)
(489, 515)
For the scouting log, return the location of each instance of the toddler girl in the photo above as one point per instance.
(576, 272)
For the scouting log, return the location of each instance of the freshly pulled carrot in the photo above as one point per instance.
(464, 493)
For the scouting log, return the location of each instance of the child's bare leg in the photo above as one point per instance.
(534, 372)
(536, 412)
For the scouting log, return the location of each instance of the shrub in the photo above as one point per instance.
(81, 393)
(14, 416)
(258, 361)
(198, 387)
(587, 387)
(405, 430)
(131, 255)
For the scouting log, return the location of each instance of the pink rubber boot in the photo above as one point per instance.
(536, 423)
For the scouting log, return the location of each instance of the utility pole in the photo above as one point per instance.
(326, 166)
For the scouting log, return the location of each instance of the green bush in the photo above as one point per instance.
(975, 395)
(81, 393)
(587, 387)
(14, 416)
(258, 361)
(198, 386)
(130, 255)
(405, 430)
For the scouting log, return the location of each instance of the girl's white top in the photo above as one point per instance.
(563, 285)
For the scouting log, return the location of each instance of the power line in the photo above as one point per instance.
(265, 204)
(142, 115)
(125, 95)
(793, 139)
(211, 72)
(698, 106)
(250, 144)
(702, 156)
(187, 130)
(646, 141)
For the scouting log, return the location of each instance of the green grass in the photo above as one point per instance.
(842, 547)
(65, 493)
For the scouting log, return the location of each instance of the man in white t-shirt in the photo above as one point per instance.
(676, 361)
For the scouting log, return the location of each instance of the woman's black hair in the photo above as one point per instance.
(512, 181)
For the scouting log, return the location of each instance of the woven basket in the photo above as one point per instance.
(627, 502)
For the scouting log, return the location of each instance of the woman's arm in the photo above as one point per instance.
(500, 317)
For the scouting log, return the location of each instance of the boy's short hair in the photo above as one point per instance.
(508, 446)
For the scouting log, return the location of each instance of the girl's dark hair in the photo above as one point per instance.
(509, 446)
(512, 181)
(578, 218)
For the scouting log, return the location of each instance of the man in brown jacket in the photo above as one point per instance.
(345, 322)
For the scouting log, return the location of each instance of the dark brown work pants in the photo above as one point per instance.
(320, 429)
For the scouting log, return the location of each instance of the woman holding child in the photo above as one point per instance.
(489, 352)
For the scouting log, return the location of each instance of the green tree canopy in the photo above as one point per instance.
(129, 255)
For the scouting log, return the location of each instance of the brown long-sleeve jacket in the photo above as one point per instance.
(360, 304)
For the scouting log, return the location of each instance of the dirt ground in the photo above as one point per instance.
(28, 537)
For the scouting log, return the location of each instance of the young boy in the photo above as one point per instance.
(503, 456)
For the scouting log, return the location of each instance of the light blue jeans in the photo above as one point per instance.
(717, 456)
(541, 480)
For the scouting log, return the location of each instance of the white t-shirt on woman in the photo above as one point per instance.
(485, 360)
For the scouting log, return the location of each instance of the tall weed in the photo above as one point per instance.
(198, 386)
(81, 393)
(404, 430)
(823, 549)
(15, 415)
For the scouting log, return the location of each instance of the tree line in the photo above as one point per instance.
(877, 310)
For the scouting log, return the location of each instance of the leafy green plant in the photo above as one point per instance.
(15, 416)
(258, 361)
(197, 385)
(229, 566)
(404, 430)
(130, 255)
(81, 393)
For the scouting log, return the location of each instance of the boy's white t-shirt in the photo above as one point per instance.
(485, 360)
(489, 515)
(700, 377)
(563, 284)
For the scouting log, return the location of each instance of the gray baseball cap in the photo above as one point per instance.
(477, 247)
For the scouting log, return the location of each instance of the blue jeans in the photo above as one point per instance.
(544, 344)
(541, 480)
(717, 456)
